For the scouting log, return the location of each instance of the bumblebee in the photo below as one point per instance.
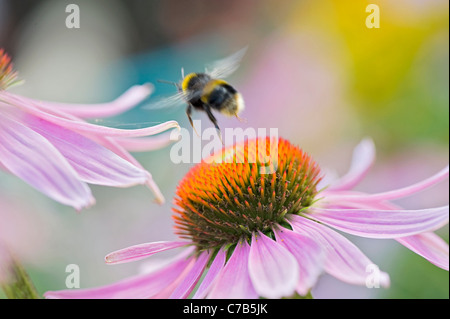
(208, 91)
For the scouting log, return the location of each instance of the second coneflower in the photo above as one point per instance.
(257, 224)
(52, 148)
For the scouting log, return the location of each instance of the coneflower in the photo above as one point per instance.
(248, 233)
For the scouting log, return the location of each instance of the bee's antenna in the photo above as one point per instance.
(177, 85)
(168, 82)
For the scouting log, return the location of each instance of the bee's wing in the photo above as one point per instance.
(225, 67)
(166, 101)
(170, 101)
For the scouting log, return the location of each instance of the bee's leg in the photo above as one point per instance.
(214, 121)
(188, 113)
(241, 119)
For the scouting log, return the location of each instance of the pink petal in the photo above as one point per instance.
(215, 268)
(234, 280)
(100, 134)
(410, 190)
(309, 254)
(394, 194)
(145, 144)
(111, 144)
(273, 269)
(94, 163)
(375, 223)
(190, 280)
(363, 158)
(141, 251)
(32, 158)
(141, 286)
(31, 107)
(343, 259)
(126, 101)
(430, 246)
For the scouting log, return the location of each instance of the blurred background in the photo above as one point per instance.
(313, 69)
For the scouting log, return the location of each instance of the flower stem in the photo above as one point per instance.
(296, 295)
(19, 285)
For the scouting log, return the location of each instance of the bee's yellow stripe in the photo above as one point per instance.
(209, 87)
(185, 83)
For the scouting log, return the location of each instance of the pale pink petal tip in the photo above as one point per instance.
(362, 160)
(88, 204)
(159, 197)
(141, 251)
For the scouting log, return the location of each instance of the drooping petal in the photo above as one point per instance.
(112, 144)
(234, 280)
(375, 223)
(430, 246)
(309, 254)
(94, 163)
(362, 160)
(190, 280)
(124, 102)
(141, 251)
(343, 259)
(145, 144)
(29, 106)
(35, 160)
(215, 268)
(140, 286)
(273, 269)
